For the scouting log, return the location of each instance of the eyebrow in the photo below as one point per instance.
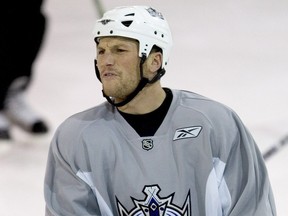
(121, 44)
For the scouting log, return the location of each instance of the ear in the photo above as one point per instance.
(154, 62)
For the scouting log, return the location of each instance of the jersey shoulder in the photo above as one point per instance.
(216, 115)
(202, 104)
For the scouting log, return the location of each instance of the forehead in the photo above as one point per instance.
(115, 40)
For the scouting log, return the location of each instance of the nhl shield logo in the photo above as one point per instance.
(147, 144)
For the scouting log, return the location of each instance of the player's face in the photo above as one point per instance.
(118, 63)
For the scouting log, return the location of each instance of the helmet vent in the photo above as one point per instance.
(131, 14)
(127, 23)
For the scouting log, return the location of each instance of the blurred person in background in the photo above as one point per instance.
(23, 26)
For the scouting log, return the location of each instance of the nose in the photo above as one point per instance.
(106, 59)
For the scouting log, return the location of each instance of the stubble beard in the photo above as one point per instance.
(120, 90)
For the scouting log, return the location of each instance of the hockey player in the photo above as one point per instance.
(151, 150)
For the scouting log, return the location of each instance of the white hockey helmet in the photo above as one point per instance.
(142, 23)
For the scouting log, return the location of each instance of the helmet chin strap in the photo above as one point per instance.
(142, 83)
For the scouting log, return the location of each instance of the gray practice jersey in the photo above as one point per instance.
(202, 161)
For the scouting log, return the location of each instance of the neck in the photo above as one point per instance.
(147, 100)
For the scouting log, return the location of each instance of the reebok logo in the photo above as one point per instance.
(188, 132)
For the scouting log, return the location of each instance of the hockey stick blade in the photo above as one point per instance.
(275, 148)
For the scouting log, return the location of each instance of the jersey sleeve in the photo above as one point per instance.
(246, 177)
(65, 193)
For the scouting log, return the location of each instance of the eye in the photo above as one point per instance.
(100, 52)
(120, 50)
